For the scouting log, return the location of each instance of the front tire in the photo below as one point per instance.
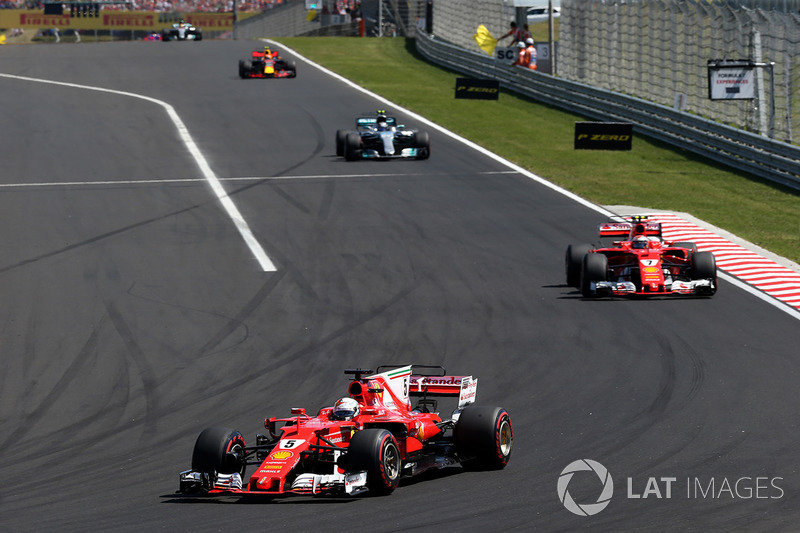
(423, 144)
(352, 146)
(484, 436)
(704, 266)
(219, 450)
(594, 269)
(376, 452)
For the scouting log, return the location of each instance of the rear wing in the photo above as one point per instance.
(628, 230)
(366, 122)
(426, 381)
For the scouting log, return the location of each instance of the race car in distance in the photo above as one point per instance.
(182, 31)
(266, 64)
(642, 264)
(365, 442)
(380, 137)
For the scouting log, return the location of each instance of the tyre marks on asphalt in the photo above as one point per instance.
(778, 281)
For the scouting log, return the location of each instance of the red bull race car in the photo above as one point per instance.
(266, 64)
(379, 136)
(364, 443)
(641, 264)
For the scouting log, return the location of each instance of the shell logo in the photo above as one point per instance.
(651, 270)
(281, 455)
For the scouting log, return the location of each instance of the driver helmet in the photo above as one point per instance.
(345, 409)
(381, 122)
(639, 242)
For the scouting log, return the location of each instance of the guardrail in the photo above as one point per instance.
(764, 157)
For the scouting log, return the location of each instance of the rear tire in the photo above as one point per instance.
(688, 245)
(376, 452)
(594, 269)
(574, 263)
(244, 69)
(483, 435)
(219, 450)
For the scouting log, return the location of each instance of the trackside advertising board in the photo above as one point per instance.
(115, 20)
(473, 89)
(731, 79)
(603, 136)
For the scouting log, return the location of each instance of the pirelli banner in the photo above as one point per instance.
(113, 20)
(603, 136)
(473, 89)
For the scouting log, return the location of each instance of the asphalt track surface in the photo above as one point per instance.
(135, 315)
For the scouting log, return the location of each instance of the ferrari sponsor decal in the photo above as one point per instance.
(281, 455)
(268, 468)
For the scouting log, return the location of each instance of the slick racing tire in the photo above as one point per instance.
(704, 266)
(244, 68)
(292, 69)
(484, 437)
(594, 269)
(574, 263)
(352, 146)
(423, 145)
(692, 247)
(219, 450)
(341, 137)
(376, 452)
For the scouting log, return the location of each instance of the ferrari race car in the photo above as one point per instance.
(642, 264)
(266, 64)
(380, 137)
(182, 31)
(365, 442)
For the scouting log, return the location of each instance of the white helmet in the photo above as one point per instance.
(529, 40)
(520, 45)
(345, 409)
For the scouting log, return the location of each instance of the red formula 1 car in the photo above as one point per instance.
(642, 264)
(366, 441)
(266, 64)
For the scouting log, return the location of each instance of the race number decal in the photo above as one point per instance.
(289, 444)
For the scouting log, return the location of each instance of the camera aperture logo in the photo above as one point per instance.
(586, 509)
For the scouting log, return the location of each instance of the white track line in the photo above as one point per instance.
(211, 178)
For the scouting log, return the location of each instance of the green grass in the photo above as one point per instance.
(540, 138)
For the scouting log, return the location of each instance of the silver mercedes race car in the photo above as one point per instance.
(380, 137)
